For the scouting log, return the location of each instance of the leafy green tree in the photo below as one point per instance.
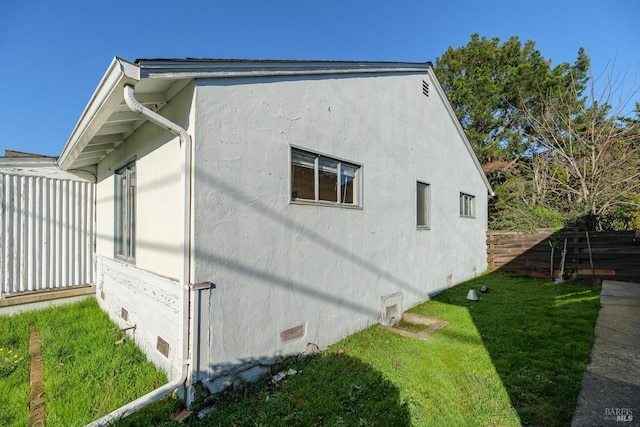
(490, 86)
(486, 83)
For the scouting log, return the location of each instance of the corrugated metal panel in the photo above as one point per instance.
(47, 233)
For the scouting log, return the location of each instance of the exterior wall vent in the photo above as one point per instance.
(292, 333)
(391, 309)
(425, 88)
(163, 347)
(124, 313)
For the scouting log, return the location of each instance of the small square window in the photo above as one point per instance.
(125, 209)
(467, 205)
(422, 205)
(322, 179)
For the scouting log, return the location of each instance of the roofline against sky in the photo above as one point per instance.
(117, 75)
(120, 72)
(109, 93)
(220, 68)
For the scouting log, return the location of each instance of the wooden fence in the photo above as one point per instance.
(609, 254)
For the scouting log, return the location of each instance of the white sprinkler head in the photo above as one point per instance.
(472, 295)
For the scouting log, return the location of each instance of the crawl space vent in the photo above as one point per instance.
(292, 333)
(391, 309)
(163, 347)
(425, 88)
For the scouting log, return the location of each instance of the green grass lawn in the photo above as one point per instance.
(14, 371)
(85, 374)
(536, 335)
(516, 357)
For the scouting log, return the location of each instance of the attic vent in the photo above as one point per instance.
(425, 88)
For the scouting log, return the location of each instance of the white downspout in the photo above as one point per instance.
(185, 142)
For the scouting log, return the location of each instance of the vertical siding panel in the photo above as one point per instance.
(91, 233)
(6, 238)
(53, 218)
(78, 231)
(28, 238)
(73, 231)
(53, 235)
(75, 226)
(68, 254)
(44, 244)
(10, 230)
(64, 235)
(32, 215)
(63, 254)
(53, 241)
(15, 235)
(24, 232)
(69, 235)
(59, 245)
(27, 223)
(28, 248)
(3, 235)
(37, 267)
(82, 259)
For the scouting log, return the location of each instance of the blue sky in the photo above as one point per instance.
(54, 53)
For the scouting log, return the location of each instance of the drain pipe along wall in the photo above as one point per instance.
(185, 143)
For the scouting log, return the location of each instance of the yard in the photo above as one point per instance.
(85, 373)
(515, 357)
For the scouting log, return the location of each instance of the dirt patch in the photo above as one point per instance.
(38, 398)
(430, 324)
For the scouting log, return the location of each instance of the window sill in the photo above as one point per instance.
(423, 227)
(124, 259)
(325, 204)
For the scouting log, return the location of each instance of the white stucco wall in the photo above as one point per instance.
(277, 265)
(159, 196)
(148, 289)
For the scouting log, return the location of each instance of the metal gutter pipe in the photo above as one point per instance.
(185, 142)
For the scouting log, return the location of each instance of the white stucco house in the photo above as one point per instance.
(247, 211)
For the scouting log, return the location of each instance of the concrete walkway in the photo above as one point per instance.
(610, 394)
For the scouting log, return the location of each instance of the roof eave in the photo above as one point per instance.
(102, 126)
(108, 93)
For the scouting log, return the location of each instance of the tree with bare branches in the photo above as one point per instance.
(553, 154)
(591, 148)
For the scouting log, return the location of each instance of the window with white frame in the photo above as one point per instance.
(467, 205)
(422, 205)
(125, 209)
(322, 179)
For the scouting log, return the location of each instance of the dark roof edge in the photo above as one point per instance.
(22, 154)
(211, 68)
